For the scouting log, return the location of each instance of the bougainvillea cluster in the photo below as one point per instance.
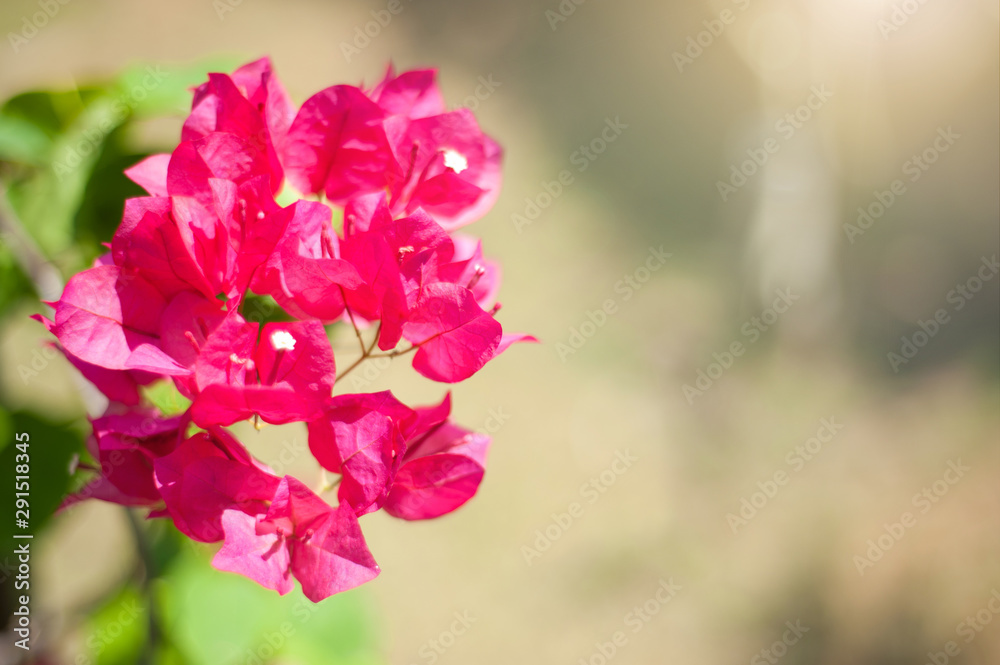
(380, 180)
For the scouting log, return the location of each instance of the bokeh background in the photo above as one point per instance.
(900, 91)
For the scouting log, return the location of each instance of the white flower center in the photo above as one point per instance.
(455, 160)
(282, 340)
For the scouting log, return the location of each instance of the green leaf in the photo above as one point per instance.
(117, 632)
(46, 199)
(149, 90)
(52, 112)
(165, 397)
(51, 449)
(219, 618)
(262, 309)
(23, 141)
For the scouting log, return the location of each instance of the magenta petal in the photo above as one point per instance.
(513, 338)
(261, 86)
(307, 367)
(328, 551)
(442, 468)
(100, 488)
(227, 356)
(188, 320)
(149, 242)
(224, 405)
(433, 486)
(293, 508)
(103, 315)
(413, 94)
(207, 475)
(251, 104)
(319, 286)
(361, 437)
(217, 155)
(304, 235)
(337, 145)
(151, 174)
(127, 444)
(263, 558)
(334, 557)
(363, 212)
(453, 168)
(116, 385)
(150, 358)
(469, 269)
(456, 337)
(377, 264)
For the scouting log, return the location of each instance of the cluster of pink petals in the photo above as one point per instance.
(165, 304)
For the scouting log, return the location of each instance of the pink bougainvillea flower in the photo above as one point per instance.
(454, 335)
(127, 444)
(215, 109)
(182, 296)
(110, 319)
(337, 145)
(361, 437)
(215, 156)
(151, 174)
(305, 273)
(447, 166)
(286, 376)
(150, 242)
(413, 94)
(299, 535)
(251, 105)
(178, 244)
(206, 475)
(442, 468)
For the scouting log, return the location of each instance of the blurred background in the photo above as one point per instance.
(759, 241)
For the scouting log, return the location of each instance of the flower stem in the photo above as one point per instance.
(366, 351)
